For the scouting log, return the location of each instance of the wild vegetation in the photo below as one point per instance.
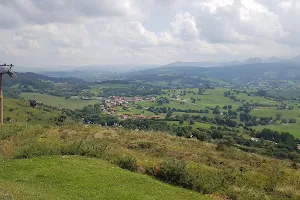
(211, 169)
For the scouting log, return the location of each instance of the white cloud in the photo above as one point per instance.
(69, 32)
(285, 5)
(239, 21)
(184, 27)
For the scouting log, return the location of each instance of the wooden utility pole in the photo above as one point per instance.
(4, 69)
(1, 101)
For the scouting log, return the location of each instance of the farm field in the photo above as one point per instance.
(184, 100)
(73, 177)
(211, 98)
(59, 102)
(195, 125)
(134, 111)
(271, 112)
(294, 129)
(215, 97)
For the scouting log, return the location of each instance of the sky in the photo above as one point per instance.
(48, 33)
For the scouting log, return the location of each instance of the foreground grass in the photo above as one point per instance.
(231, 172)
(72, 177)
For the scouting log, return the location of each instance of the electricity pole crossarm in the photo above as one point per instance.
(4, 69)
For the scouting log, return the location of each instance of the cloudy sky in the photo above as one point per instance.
(46, 33)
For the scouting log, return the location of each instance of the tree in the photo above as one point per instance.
(169, 114)
(292, 120)
(278, 116)
(164, 110)
(139, 107)
(193, 100)
(262, 93)
(192, 122)
(284, 120)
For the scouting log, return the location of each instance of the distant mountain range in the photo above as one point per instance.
(275, 68)
(250, 69)
(253, 60)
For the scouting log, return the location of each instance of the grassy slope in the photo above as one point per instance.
(59, 102)
(20, 111)
(202, 158)
(80, 178)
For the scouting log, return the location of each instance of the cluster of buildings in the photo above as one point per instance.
(114, 103)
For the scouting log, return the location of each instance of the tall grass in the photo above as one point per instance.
(187, 163)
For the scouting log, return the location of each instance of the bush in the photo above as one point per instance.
(225, 143)
(6, 131)
(141, 145)
(127, 162)
(246, 194)
(85, 148)
(36, 149)
(173, 171)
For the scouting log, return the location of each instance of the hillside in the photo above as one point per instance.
(36, 79)
(192, 164)
(72, 177)
(16, 110)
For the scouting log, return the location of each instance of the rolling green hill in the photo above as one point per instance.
(59, 102)
(16, 110)
(72, 177)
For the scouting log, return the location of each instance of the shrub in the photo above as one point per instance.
(35, 149)
(225, 143)
(85, 148)
(7, 131)
(246, 194)
(127, 162)
(173, 171)
(141, 145)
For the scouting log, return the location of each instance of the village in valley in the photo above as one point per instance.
(118, 106)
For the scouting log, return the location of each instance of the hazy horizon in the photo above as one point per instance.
(44, 34)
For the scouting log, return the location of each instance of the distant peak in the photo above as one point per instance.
(297, 58)
(273, 59)
(253, 60)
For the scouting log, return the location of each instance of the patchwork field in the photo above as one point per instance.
(184, 100)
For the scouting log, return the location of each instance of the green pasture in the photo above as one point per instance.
(255, 99)
(272, 111)
(211, 98)
(59, 102)
(195, 125)
(285, 93)
(134, 111)
(209, 115)
(108, 85)
(294, 129)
